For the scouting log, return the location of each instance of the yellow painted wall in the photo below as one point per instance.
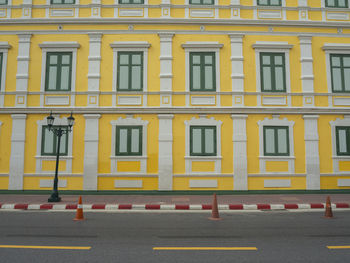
(5, 145)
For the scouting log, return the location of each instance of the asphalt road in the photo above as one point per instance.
(275, 236)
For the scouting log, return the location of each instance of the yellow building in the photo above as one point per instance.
(176, 95)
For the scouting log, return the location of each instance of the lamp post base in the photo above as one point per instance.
(54, 198)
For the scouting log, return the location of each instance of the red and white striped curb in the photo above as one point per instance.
(109, 207)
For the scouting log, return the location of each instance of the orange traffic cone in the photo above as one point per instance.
(328, 212)
(214, 210)
(79, 215)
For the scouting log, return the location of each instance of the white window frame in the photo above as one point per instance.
(202, 47)
(129, 121)
(40, 158)
(59, 47)
(4, 47)
(203, 121)
(273, 47)
(276, 121)
(141, 46)
(335, 48)
(336, 159)
(281, 8)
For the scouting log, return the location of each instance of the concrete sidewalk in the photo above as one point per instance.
(176, 202)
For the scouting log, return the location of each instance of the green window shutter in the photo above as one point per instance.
(203, 141)
(343, 140)
(272, 72)
(270, 2)
(340, 72)
(49, 142)
(201, 2)
(3, 2)
(123, 2)
(337, 3)
(130, 71)
(128, 140)
(276, 140)
(62, 2)
(202, 71)
(58, 71)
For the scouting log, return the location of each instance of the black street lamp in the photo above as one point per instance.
(58, 130)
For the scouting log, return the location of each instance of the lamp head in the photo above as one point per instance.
(50, 119)
(70, 120)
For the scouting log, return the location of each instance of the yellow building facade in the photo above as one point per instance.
(176, 94)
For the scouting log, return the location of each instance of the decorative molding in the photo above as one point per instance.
(203, 183)
(203, 100)
(58, 45)
(270, 183)
(337, 16)
(274, 100)
(343, 183)
(129, 100)
(128, 184)
(57, 100)
(48, 183)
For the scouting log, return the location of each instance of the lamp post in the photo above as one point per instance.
(58, 131)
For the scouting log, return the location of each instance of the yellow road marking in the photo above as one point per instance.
(205, 248)
(45, 247)
(338, 247)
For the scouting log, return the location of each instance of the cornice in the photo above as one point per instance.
(180, 110)
(176, 21)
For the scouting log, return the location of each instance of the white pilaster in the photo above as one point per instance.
(303, 10)
(22, 69)
(307, 74)
(165, 140)
(94, 74)
(166, 68)
(96, 8)
(235, 9)
(237, 74)
(17, 151)
(240, 152)
(312, 152)
(27, 9)
(91, 151)
(165, 5)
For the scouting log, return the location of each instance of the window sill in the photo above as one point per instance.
(128, 157)
(203, 157)
(340, 157)
(277, 157)
(52, 157)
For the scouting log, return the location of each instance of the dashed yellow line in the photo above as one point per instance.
(45, 247)
(338, 247)
(205, 248)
